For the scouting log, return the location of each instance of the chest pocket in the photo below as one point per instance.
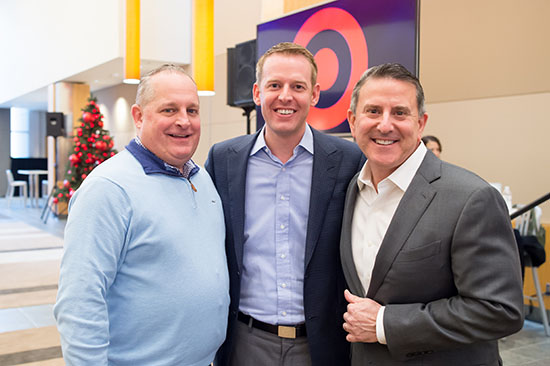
(419, 253)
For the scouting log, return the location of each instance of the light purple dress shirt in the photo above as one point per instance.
(276, 216)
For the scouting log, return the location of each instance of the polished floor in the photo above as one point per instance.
(30, 253)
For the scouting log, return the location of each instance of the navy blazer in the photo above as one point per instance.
(335, 162)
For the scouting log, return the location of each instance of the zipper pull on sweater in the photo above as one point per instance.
(192, 186)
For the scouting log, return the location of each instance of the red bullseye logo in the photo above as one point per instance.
(338, 20)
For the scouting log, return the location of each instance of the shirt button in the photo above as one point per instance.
(283, 285)
(282, 198)
(282, 226)
(283, 313)
(283, 169)
(283, 256)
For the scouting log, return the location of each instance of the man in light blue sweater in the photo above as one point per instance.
(144, 277)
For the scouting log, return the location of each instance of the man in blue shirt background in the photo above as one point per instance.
(283, 191)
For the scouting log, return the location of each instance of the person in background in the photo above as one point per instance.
(144, 278)
(283, 192)
(433, 144)
(427, 247)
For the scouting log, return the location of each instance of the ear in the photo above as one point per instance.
(256, 94)
(351, 121)
(137, 115)
(422, 124)
(315, 94)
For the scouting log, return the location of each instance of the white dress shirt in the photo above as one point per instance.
(372, 215)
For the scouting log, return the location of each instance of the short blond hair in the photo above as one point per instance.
(287, 48)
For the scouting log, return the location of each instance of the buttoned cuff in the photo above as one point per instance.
(380, 334)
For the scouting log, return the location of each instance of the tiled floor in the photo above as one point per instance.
(529, 347)
(30, 254)
(29, 268)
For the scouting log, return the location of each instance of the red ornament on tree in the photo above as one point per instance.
(87, 117)
(101, 145)
(75, 159)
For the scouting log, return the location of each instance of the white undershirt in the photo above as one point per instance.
(372, 215)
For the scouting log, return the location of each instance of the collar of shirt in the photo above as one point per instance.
(306, 143)
(153, 164)
(401, 177)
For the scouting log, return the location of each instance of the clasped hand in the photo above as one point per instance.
(360, 318)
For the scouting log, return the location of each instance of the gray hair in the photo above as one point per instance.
(145, 92)
(390, 71)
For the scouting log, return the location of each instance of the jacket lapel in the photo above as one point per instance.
(326, 159)
(237, 163)
(348, 265)
(411, 208)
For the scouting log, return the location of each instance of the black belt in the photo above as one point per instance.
(283, 331)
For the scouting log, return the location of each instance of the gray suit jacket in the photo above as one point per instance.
(447, 271)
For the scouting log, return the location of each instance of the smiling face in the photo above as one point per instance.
(386, 124)
(285, 94)
(169, 125)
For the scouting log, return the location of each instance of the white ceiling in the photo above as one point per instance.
(100, 77)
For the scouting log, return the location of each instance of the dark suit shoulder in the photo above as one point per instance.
(457, 186)
(444, 175)
(328, 142)
(235, 143)
(463, 177)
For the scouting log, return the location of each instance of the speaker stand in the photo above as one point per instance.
(247, 110)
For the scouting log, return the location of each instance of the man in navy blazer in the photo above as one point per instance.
(283, 191)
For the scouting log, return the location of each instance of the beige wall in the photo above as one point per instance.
(485, 70)
(503, 139)
(472, 49)
(114, 104)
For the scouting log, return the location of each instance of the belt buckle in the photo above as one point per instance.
(286, 332)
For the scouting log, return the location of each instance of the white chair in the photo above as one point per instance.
(45, 192)
(11, 188)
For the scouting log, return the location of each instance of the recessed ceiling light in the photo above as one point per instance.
(130, 81)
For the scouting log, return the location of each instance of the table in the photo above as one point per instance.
(33, 183)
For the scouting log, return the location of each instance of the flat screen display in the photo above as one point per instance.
(346, 37)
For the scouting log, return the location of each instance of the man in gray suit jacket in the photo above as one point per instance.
(427, 247)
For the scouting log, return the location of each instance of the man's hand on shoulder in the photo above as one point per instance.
(360, 318)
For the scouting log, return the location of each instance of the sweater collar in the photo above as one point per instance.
(153, 164)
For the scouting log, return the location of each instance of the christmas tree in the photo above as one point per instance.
(92, 146)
